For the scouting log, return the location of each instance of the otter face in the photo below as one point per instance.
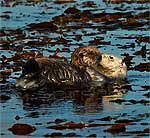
(84, 56)
(111, 66)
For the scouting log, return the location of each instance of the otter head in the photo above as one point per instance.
(84, 56)
(111, 66)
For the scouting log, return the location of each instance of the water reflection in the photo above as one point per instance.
(84, 100)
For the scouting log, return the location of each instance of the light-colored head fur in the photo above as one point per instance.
(111, 66)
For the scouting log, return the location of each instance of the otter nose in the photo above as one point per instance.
(123, 61)
(99, 58)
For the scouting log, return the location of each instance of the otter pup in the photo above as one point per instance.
(85, 56)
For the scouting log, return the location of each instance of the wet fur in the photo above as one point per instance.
(50, 71)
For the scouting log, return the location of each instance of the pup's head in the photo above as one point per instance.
(84, 56)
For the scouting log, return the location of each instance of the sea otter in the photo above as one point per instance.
(86, 65)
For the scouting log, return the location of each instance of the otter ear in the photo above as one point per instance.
(31, 66)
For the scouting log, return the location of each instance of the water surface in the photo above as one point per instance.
(121, 28)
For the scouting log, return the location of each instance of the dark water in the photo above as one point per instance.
(121, 28)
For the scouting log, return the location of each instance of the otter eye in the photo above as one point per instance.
(81, 55)
(111, 57)
(99, 58)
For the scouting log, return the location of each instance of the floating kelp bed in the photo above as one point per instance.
(31, 28)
